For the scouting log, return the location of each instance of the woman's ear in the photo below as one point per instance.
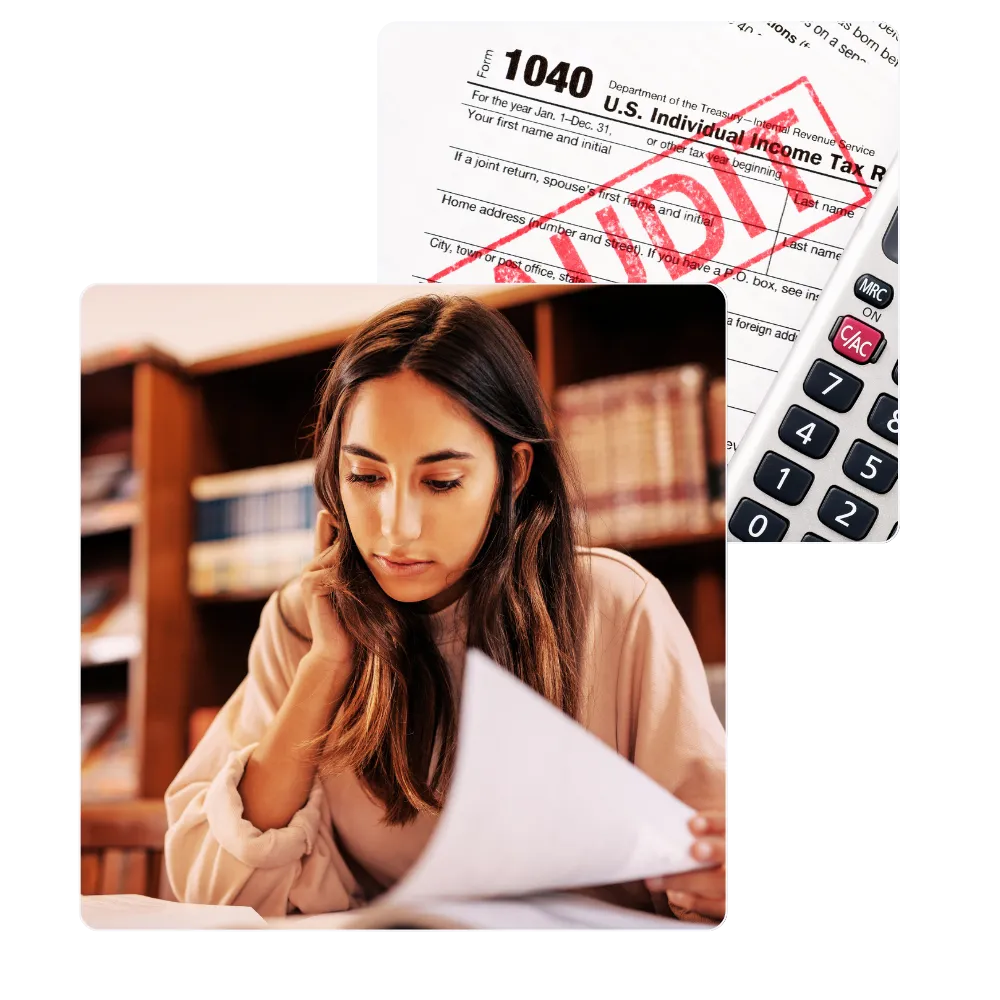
(326, 532)
(524, 455)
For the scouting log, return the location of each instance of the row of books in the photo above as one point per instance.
(110, 621)
(108, 491)
(254, 529)
(649, 448)
(107, 755)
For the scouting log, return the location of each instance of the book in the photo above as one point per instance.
(539, 815)
(717, 445)
(112, 633)
(666, 518)
(108, 771)
(96, 719)
(690, 419)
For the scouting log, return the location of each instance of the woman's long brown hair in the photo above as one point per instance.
(396, 726)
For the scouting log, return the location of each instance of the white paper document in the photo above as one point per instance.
(130, 910)
(551, 911)
(633, 152)
(537, 803)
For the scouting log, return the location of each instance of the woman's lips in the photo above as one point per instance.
(405, 568)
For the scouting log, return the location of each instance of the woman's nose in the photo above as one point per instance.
(400, 517)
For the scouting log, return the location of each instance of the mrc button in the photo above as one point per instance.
(856, 341)
(874, 291)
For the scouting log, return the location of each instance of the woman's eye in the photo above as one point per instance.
(443, 485)
(369, 479)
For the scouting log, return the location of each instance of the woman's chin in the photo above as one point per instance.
(406, 591)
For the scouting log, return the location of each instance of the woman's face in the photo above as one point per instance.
(417, 476)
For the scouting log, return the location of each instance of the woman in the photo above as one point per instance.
(448, 522)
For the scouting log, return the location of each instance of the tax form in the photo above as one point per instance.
(631, 153)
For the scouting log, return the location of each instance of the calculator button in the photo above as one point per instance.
(873, 290)
(832, 386)
(894, 527)
(890, 242)
(782, 479)
(753, 522)
(884, 417)
(871, 467)
(847, 514)
(806, 432)
(856, 341)
(811, 536)
(895, 373)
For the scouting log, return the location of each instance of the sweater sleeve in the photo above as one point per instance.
(674, 733)
(213, 854)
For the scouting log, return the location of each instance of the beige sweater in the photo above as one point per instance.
(644, 693)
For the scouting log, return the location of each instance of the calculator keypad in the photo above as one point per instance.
(884, 417)
(832, 386)
(753, 522)
(871, 467)
(847, 514)
(806, 432)
(819, 460)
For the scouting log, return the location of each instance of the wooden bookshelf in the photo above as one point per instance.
(142, 396)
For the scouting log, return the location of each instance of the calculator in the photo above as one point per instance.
(819, 461)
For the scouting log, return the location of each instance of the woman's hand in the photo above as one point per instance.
(702, 891)
(331, 645)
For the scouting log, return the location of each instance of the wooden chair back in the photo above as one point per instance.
(121, 848)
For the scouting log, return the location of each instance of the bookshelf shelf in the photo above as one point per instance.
(236, 596)
(105, 517)
(102, 650)
(670, 541)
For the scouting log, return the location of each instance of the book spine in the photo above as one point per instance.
(664, 455)
(676, 485)
(635, 432)
(568, 421)
(717, 448)
(648, 514)
(604, 427)
(692, 391)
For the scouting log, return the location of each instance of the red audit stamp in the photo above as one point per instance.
(709, 206)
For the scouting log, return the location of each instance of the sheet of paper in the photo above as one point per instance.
(539, 803)
(133, 911)
(631, 152)
(871, 43)
(557, 911)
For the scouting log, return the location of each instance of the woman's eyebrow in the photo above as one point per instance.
(437, 456)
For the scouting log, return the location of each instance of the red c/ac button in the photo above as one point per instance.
(857, 341)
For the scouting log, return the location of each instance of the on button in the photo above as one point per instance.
(870, 289)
